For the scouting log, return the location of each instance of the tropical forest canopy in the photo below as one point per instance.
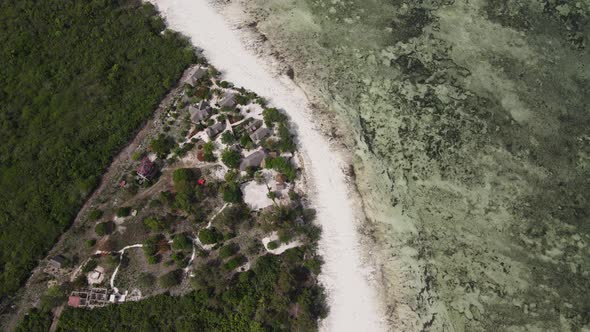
(78, 78)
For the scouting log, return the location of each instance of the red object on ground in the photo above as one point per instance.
(122, 183)
(201, 181)
(147, 168)
(74, 301)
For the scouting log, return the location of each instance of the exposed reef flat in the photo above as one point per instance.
(469, 121)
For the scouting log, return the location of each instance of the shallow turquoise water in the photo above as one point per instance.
(469, 122)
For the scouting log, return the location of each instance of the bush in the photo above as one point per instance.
(90, 266)
(146, 279)
(178, 258)
(154, 224)
(231, 158)
(52, 298)
(231, 192)
(285, 235)
(208, 149)
(286, 143)
(90, 243)
(162, 145)
(272, 115)
(232, 175)
(235, 262)
(123, 212)
(181, 242)
(104, 228)
(228, 250)
(183, 179)
(137, 155)
(272, 245)
(209, 236)
(95, 214)
(112, 260)
(170, 279)
(228, 138)
(155, 259)
(283, 166)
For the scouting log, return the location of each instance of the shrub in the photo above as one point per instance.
(89, 266)
(231, 158)
(146, 279)
(183, 179)
(95, 214)
(154, 224)
(228, 138)
(170, 279)
(282, 165)
(272, 245)
(154, 259)
(232, 175)
(272, 115)
(228, 250)
(235, 262)
(167, 197)
(123, 212)
(209, 236)
(231, 192)
(285, 235)
(104, 228)
(162, 145)
(90, 243)
(286, 143)
(178, 258)
(181, 242)
(137, 155)
(208, 149)
(112, 260)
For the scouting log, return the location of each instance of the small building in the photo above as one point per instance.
(118, 298)
(228, 100)
(96, 276)
(253, 160)
(94, 297)
(76, 301)
(198, 115)
(253, 126)
(259, 134)
(195, 74)
(215, 129)
(57, 262)
(147, 169)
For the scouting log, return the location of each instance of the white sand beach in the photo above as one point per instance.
(353, 301)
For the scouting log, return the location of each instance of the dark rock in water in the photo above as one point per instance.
(350, 172)
(290, 72)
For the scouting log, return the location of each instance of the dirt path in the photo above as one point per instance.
(56, 315)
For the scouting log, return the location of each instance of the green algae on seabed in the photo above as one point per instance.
(470, 121)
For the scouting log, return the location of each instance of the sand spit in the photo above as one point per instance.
(353, 301)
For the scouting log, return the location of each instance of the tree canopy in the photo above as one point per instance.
(78, 78)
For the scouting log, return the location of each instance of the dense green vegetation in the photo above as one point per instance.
(270, 297)
(77, 79)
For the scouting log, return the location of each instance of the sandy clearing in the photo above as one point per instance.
(256, 195)
(280, 249)
(354, 305)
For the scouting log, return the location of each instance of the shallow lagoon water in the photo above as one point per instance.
(469, 124)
